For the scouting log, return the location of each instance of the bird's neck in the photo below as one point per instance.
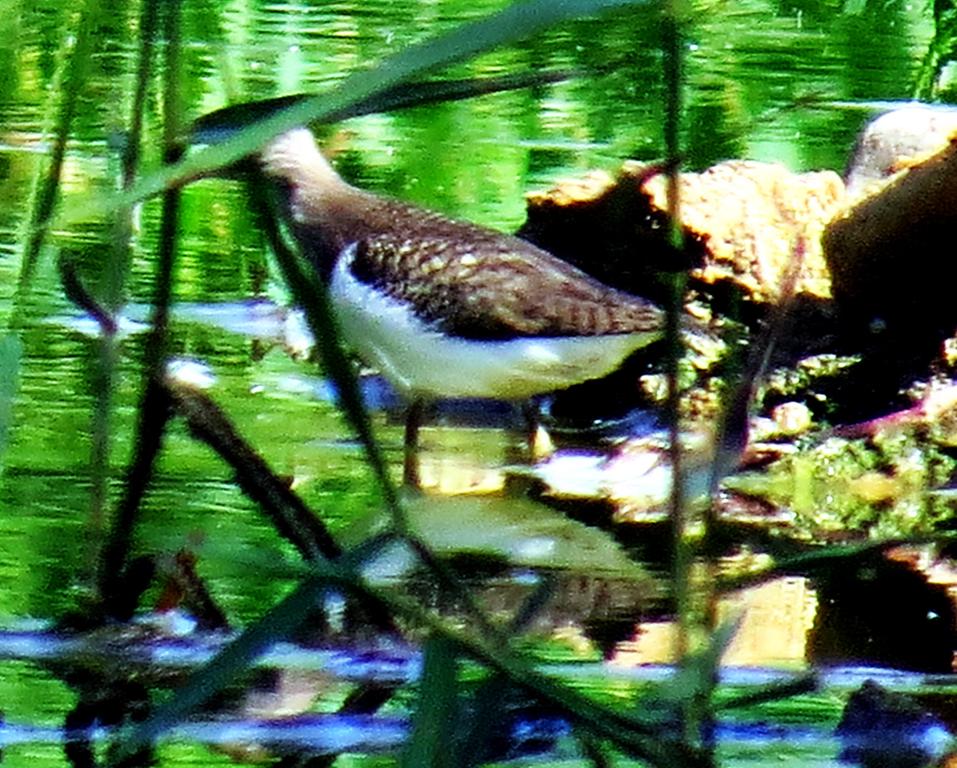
(295, 158)
(325, 211)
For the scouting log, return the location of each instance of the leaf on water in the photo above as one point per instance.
(519, 530)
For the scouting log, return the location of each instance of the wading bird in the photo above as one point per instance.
(444, 308)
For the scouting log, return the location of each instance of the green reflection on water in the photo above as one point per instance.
(760, 76)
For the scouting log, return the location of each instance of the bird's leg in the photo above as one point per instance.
(535, 445)
(410, 465)
(538, 444)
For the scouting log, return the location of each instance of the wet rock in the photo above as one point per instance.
(788, 419)
(877, 252)
(745, 224)
(881, 612)
(895, 141)
(892, 276)
(883, 728)
(609, 228)
(742, 220)
(890, 272)
(751, 217)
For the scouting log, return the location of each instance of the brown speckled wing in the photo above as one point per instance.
(479, 284)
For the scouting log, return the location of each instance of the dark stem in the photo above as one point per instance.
(410, 444)
(681, 556)
(154, 406)
(288, 513)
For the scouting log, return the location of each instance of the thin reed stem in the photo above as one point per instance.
(154, 410)
(114, 285)
(76, 65)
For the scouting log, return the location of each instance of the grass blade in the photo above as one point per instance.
(434, 723)
(402, 96)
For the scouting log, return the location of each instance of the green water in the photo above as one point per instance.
(762, 81)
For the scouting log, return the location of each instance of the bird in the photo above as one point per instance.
(445, 308)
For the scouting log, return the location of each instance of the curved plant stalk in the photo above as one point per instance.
(697, 674)
(401, 96)
(437, 712)
(681, 556)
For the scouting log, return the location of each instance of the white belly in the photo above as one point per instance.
(419, 360)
